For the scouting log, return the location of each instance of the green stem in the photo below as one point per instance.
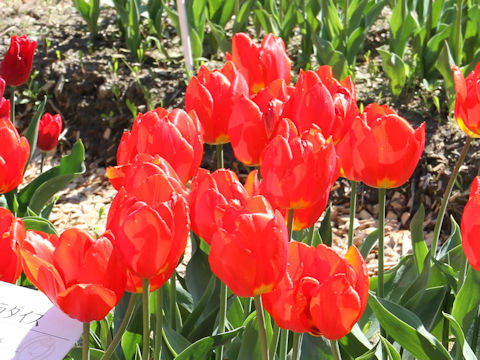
(274, 343)
(12, 106)
(220, 163)
(335, 350)
(173, 301)
(446, 325)
(446, 196)
(158, 325)
(86, 341)
(283, 344)
(146, 319)
(458, 33)
(291, 213)
(122, 328)
(261, 326)
(381, 235)
(42, 160)
(297, 345)
(223, 316)
(311, 232)
(353, 210)
(247, 305)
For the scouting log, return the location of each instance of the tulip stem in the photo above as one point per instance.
(311, 232)
(291, 213)
(297, 345)
(223, 316)
(86, 341)
(173, 301)
(42, 160)
(335, 350)
(122, 328)
(446, 196)
(274, 343)
(158, 324)
(220, 163)
(283, 344)
(381, 234)
(261, 327)
(146, 319)
(353, 210)
(12, 105)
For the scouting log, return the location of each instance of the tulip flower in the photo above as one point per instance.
(382, 149)
(211, 95)
(467, 104)
(81, 275)
(321, 293)
(17, 63)
(253, 122)
(210, 195)
(14, 154)
(12, 233)
(49, 130)
(470, 226)
(249, 251)
(4, 103)
(173, 135)
(150, 221)
(298, 171)
(260, 64)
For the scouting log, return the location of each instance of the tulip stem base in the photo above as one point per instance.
(223, 317)
(335, 350)
(146, 319)
(158, 324)
(381, 234)
(220, 163)
(274, 343)
(297, 345)
(122, 328)
(353, 210)
(283, 351)
(261, 327)
(446, 196)
(86, 341)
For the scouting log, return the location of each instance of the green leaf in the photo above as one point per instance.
(444, 65)
(368, 243)
(36, 194)
(315, 347)
(466, 350)
(420, 249)
(453, 240)
(196, 44)
(39, 224)
(407, 329)
(328, 55)
(250, 347)
(416, 289)
(200, 349)
(242, 17)
(395, 69)
(467, 300)
(355, 342)
(429, 308)
(325, 230)
(175, 342)
(354, 44)
(390, 351)
(32, 131)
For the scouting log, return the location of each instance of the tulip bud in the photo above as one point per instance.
(49, 130)
(17, 63)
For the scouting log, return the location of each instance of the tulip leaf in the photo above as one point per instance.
(200, 349)
(241, 18)
(38, 223)
(355, 342)
(368, 243)
(198, 275)
(328, 55)
(250, 347)
(175, 342)
(466, 303)
(395, 69)
(325, 229)
(444, 65)
(76, 353)
(416, 289)
(461, 342)
(354, 43)
(453, 240)
(36, 194)
(315, 347)
(390, 351)
(429, 307)
(32, 131)
(419, 246)
(407, 329)
(235, 314)
(129, 344)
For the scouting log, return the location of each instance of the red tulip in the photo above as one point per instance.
(382, 149)
(467, 105)
(4, 103)
(253, 122)
(14, 153)
(12, 233)
(211, 94)
(260, 64)
(249, 251)
(470, 226)
(49, 130)
(173, 135)
(82, 275)
(321, 293)
(17, 63)
(298, 171)
(150, 221)
(210, 195)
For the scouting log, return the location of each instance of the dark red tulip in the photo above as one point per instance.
(17, 63)
(49, 130)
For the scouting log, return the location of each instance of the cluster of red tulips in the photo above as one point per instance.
(302, 137)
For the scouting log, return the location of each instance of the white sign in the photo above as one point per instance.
(32, 328)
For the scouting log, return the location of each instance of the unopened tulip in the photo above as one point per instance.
(321, 292)
(49, 130)
(470, 226)
(249, 251)
(260, 64)
(173, 135)
(467, 104)
(12, 233)
(82, 275)
(382, 149)
(17, 63)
